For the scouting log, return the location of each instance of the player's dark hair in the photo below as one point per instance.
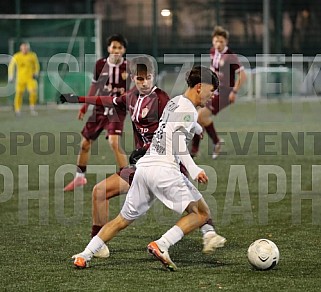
(141, 64)
(117, 38)
(220, 31)
(201, 74)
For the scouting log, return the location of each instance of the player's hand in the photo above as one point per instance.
(136, 155)
(68, 97)
(202, 177)
(232, 97)
(81, 115)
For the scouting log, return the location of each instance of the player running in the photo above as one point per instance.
(231, 75)
(145, 104)
(158, 175)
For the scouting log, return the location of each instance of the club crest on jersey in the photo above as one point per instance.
(187, 118)
(124, 75)
(145, 112)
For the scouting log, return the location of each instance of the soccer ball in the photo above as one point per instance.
(263, 254)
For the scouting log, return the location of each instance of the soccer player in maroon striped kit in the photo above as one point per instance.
(111, 77)
(231, 75)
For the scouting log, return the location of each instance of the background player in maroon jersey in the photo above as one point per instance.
(231, 75)
(111, 77)
(145, 104)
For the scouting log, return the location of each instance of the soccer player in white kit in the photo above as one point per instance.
(158, 174)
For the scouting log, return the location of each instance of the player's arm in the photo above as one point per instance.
(92, 90)
(240, 79)
(11, 69)
(180, 149)
(138, 154)
(103, 100)
(36, 66)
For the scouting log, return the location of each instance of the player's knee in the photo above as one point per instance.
(99, 194)
(85, 146)
(114, 144)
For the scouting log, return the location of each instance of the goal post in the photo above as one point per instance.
(49, 35)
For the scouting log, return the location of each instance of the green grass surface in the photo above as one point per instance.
(37, 242)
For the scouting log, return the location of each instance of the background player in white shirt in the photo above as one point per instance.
(158, 175)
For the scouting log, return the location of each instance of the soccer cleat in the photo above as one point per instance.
(162, 256)
(212, 241)
(33, 113)
(80, 261)
(217, 148)
(77, 182)
(103, 253)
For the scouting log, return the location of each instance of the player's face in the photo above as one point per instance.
(24, 48)
(206, 92)
(219, 43)
(116, 50)
(144, 82)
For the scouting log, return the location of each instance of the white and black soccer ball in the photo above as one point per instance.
(263, 254)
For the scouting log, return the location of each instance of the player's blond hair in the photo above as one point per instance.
(220, 31)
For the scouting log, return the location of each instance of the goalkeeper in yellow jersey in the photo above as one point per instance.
(26, 66)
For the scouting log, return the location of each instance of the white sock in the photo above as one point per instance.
(80, 174)
(206, 228)
(93, 246)
(172, 236)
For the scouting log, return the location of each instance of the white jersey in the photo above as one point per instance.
(176, 129)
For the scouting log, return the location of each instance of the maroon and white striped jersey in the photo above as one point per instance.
(225, 65)
(145, 112)
(111, 79)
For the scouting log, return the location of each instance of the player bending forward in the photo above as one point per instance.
(145, 104)
(158, 175)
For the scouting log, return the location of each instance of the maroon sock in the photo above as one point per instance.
(81, 168)
(95, 229)
(195, 144)
(212, 133)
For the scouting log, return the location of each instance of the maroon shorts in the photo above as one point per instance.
(98, 122)
(127, 173)
(219, 101)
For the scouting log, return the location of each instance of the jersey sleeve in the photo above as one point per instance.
(36, 64)
(11, 68)
(183, 127)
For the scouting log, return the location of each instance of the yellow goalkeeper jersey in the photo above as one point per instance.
(26, 65)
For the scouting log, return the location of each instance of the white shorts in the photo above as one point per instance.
(168, 185)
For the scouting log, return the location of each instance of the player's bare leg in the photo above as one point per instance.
(113, 186)
(82, 161)
(108, 232)
(120, 156)
(102, 192)
(197, 216)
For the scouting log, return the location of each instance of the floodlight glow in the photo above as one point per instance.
(165, 12)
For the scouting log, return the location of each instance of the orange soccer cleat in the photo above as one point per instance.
(162, 256)
(80, 261)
